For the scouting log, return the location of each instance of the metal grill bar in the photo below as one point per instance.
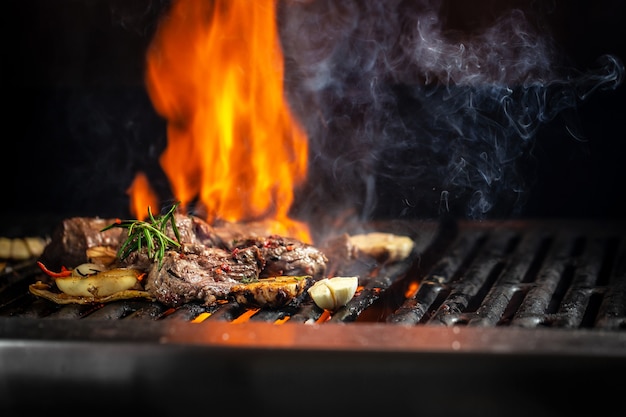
(553, 274)
(521, 261)
(578, 296)
(443, 272)
(480, 272)
(612, 311)
(532, 310)
(517, 274)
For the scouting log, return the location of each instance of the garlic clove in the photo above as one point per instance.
(343, 289)
(332, 293)
(321, 295)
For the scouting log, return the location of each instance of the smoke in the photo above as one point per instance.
(410, 116)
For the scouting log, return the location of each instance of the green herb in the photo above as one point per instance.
(150, 235)
(249, 280)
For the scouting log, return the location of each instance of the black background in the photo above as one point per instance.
(78, 123)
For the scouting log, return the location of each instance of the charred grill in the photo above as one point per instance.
(543, 302)
(540, 302)
(558, 274)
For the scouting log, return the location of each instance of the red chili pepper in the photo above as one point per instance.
(64, 271)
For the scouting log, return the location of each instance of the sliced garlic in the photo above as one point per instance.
(90, 280)
(332, 293)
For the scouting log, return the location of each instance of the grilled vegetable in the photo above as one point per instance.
(332, 293)
(271, 292)
(44, 290)
(92, 282)
(17, 249)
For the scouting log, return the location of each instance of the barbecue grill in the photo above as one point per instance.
(505, 315)
(515, 316)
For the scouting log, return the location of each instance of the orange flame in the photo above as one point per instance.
(142, 196)
(215, 72)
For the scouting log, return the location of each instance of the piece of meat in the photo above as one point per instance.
(194, 231)
(360, 254)
(72, 238)
(204, 277)
(286, 256)
(207, 274)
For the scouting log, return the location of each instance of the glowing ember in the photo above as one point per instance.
(412, 289)
(215, 72)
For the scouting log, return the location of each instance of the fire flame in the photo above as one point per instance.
(215, 72)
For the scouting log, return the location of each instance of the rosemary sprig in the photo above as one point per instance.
(150, 234)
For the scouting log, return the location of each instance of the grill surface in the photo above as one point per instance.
(558, 274)
(495, 315)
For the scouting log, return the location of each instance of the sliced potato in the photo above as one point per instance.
(5, 247)
(90, 280)
(18, 249)
(332, 293)
(44, 290)
(35, 245)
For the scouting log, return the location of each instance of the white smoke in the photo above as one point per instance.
(407, 116)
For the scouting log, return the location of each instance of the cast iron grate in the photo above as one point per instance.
(559, 274)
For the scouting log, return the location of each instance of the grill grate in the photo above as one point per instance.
(526, 274)
(477, 274)
(489, 318)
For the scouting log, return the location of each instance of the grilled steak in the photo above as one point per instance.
(73, 236)
(195, 231)
(206, 276)
(285, 256)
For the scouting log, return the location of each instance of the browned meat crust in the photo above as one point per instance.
(208, 274)
(73, 236)
(286, 256)
(204, 277)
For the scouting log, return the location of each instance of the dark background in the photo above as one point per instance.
(78, 124)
